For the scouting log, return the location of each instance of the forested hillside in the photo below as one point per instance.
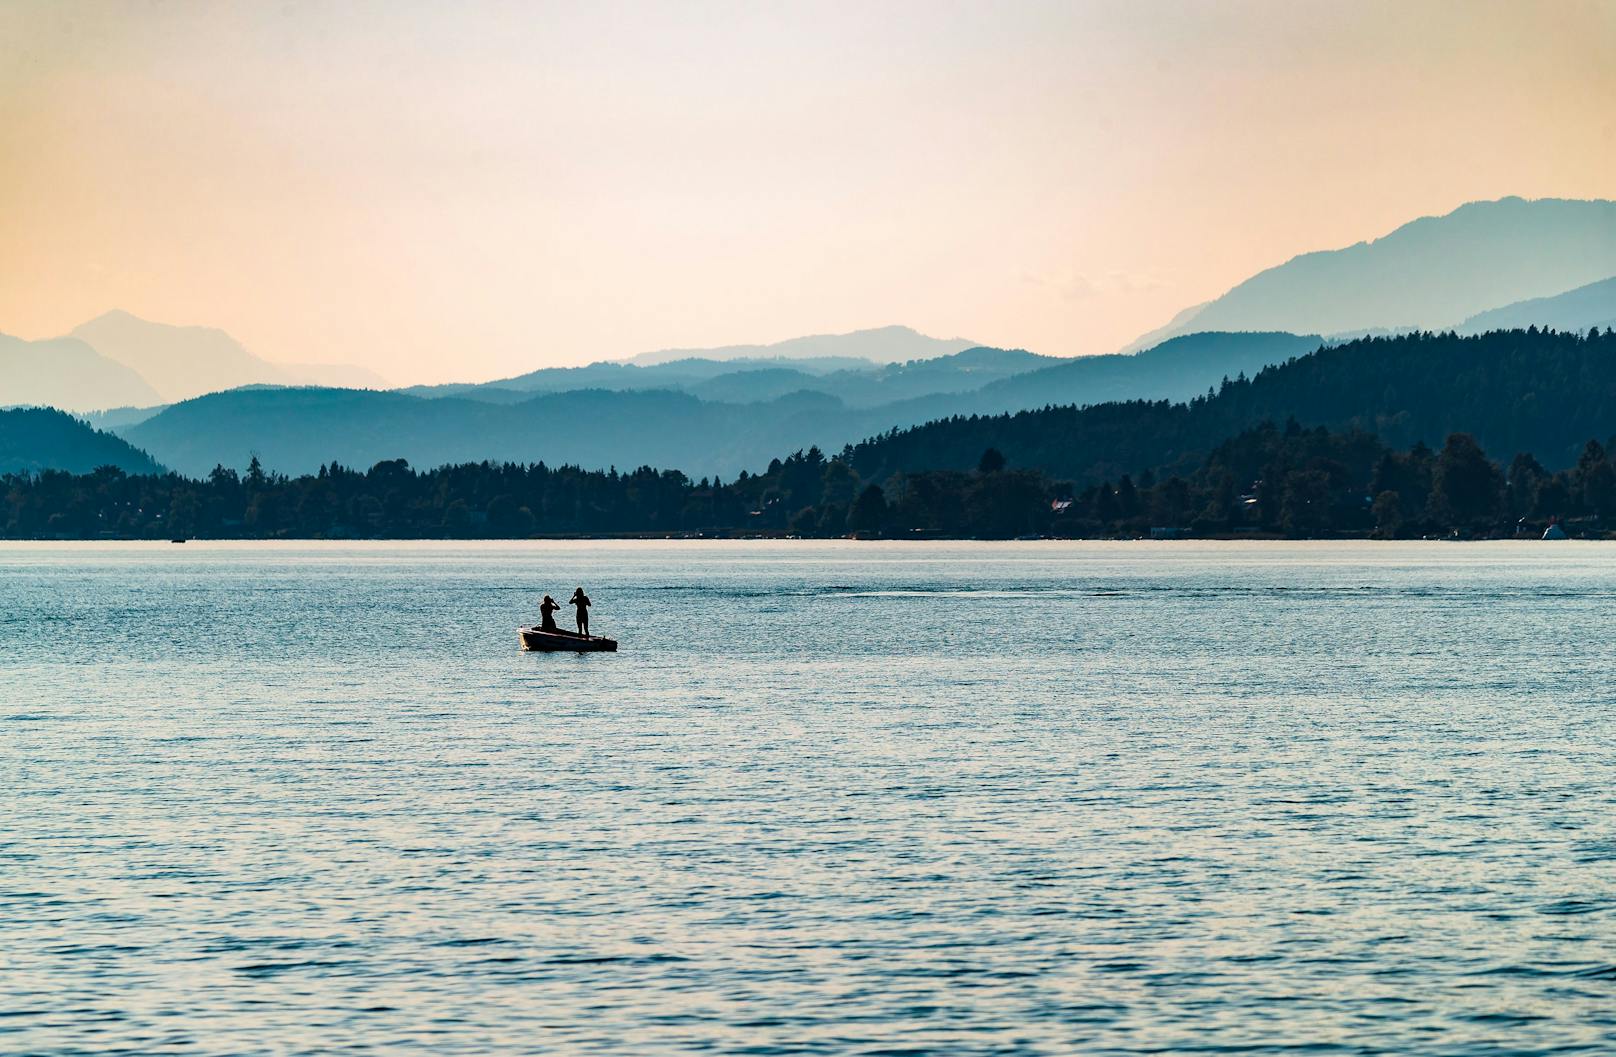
(1269, 480)
(1540, 391)
(1180, 368)
(34, 439)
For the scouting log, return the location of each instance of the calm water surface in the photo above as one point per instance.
(1031, 798)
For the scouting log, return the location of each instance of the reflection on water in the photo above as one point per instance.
(829, 798)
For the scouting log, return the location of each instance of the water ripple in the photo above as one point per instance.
(829, 799)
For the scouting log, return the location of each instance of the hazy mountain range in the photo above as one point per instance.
(880, 345)
(297, 430)
(1588, 306)
(121, 360)
(67, 373)
(718, 411)
(854, 381)
(1431, 273)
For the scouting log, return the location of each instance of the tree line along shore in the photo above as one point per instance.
(1332, 444)
(1269, 481)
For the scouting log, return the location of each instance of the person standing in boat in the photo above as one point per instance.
(547, 610)
(580, 602)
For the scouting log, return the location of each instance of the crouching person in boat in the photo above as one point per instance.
(580, 602)
(547, 610)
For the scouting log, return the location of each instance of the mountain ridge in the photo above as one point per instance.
(176, 362)
(1428, 273)
(1592, 305)
(179, 361)
(66, 372)
(890, 344)
(297, 429)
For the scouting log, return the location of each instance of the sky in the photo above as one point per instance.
(471, 190)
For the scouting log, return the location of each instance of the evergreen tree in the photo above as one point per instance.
(1465, 485)
(869, 512)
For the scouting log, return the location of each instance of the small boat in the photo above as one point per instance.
(533, 638)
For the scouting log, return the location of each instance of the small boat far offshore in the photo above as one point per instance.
(541, 641)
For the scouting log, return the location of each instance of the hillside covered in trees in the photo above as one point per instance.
(1270, 480)
(34, 439)
(1522, 390)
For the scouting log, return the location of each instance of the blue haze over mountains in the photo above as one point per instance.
(719, 411)
(1429, 274)
(296, 430)
(119, 360)
(1588, 306)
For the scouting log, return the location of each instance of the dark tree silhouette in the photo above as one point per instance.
(1465, 485)
(869, 512)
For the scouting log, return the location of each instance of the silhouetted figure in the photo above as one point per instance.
(547, 610)
(580, 602)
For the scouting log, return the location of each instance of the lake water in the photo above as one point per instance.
(838, 798)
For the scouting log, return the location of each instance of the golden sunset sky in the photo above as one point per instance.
(460, 191)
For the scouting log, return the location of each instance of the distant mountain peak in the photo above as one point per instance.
(1429, 273)
(185, 360)
(125, 318)
(66, 373)
(179, 361)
